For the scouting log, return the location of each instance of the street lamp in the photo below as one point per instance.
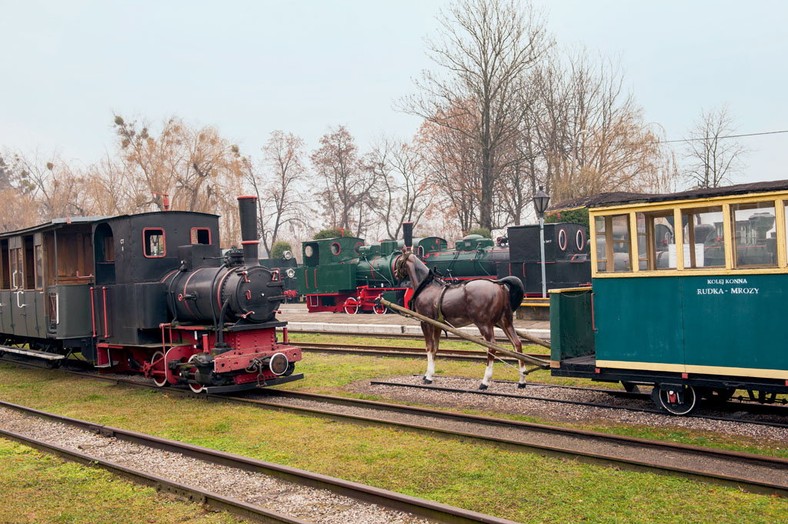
(541, 199)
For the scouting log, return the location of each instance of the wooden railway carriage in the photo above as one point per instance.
(689, 294)
(147, 293)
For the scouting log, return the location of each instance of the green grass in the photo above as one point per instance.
(521, 486)
(37, 488)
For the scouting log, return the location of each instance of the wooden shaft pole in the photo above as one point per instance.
(532, 339)
(543, 364)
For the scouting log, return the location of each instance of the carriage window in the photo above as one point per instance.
(201, 235)
(16, 268)
(612, 243)
(785, 204)
(153, 242)
(39, 265)
(703, 231)
(755, 234)
(656, 244)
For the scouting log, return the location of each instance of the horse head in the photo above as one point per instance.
(408, 266)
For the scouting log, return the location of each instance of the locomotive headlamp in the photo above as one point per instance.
(290, 272)
(278, 364)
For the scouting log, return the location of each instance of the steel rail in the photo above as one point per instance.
(733, 460)
(730, 460)
(399, 351)
(370, 494)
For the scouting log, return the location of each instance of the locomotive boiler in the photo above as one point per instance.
(149, 293)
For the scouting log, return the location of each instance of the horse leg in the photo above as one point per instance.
(511, 334)
(432, 339)
(488, 332)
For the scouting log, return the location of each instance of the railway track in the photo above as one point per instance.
(735, 403)
(647, 406)
(399, 351)
(747, 471)
(332, 494)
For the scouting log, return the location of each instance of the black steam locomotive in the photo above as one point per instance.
(148, 293)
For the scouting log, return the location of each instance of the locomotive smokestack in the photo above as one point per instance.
(247, 207)
(407, 234)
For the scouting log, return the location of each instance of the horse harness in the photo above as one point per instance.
(431, 277)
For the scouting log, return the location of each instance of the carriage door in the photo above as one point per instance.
(17, 272)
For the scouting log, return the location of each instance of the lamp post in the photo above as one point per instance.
(541, 199)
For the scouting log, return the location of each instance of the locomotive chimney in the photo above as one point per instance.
(407, 234)
(247, 207)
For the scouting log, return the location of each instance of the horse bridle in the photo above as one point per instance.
(399, 267)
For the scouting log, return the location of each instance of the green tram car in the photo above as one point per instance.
(689, 291)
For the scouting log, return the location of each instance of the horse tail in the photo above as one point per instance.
(516, 291)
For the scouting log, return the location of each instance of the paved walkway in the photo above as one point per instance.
(368, 323)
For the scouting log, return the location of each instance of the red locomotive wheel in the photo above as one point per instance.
(351, 305)
(379, 309)
(158, 371)
(196, 388)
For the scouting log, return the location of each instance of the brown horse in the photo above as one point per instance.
(484, 303)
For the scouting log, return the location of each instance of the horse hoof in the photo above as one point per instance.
(521, 385)
(482, 387)
(425, 380)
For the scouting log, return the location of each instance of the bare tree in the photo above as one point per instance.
(278, 197)
(484, 50)
(584, 135)
(403, 191)
(57, 187)
(195, 169)
(453, 162)
(346, 193)
(711, 156)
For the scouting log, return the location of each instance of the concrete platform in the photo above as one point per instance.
(300, 320)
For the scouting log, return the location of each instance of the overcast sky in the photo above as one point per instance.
(252, 67)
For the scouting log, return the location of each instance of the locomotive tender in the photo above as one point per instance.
(149, 293)
(344, 274)
(688, 295)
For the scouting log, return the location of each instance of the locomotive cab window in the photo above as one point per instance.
(754, 234)
(613, 241)
(153, 242)
(704, 232)
(201, 235)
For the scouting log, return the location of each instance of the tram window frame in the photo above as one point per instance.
(742, 235)
(691, 255)
(648, 240)
(606, 257)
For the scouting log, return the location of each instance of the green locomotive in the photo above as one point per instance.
(344, 274)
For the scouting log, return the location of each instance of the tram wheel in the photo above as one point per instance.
(676, 400)
(351, 305)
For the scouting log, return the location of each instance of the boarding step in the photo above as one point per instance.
(32, 353)
(535, 302)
